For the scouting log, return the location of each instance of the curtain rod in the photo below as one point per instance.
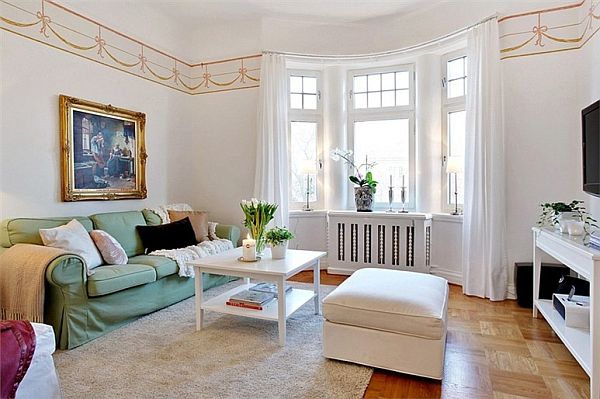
(384, 53)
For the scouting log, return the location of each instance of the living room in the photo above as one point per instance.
(194, 69)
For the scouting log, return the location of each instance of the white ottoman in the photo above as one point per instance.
(388, 319)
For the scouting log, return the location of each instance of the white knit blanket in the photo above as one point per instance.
(194, 252)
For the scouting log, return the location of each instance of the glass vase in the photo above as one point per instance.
(261, 243)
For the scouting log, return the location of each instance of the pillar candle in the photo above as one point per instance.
(249, 249)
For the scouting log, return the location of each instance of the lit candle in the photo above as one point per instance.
(249, 248)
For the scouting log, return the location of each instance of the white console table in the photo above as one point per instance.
(582, 343)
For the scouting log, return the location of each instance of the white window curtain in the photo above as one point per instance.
(272, 166)
(485, 267)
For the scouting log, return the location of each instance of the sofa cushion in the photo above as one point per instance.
(113, 278)
(163, 266)
(72, 237)
(198, 219)
(112, 252)
(27, 230)
(173, 235)
(152, 218)
(391, 300)
(121, 225)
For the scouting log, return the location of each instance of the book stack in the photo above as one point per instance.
(270, 288)
(595, 240)
(251, 299)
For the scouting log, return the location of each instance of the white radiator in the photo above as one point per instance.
(378, 239)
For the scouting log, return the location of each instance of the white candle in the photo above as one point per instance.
(249, 249)
(403, 181)
(390, 180)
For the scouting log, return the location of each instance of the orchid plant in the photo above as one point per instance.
(357, 177)
(258, 214)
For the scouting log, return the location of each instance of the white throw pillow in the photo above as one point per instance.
(112, 252)
(73, 237)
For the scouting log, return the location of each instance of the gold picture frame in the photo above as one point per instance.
(103, 151)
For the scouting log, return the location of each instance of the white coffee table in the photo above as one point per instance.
(267, 269)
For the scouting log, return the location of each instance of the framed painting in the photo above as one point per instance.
(103, 153)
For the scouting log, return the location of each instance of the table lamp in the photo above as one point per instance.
(455, 165)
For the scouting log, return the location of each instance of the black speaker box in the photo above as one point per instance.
(549, 280)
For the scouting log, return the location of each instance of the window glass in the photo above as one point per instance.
(385, 142)
(303, 150)
(303, 92)
(381, 90)
(456, 149)
(456, 77)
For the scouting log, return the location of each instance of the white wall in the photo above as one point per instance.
(217, 169)
(543, 154)
(33, 76)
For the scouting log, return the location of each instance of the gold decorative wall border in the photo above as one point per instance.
(550, 30)
(59, 27)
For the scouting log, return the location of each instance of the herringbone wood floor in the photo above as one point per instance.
(493, 350)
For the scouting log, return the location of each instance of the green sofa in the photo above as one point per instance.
(82, 307)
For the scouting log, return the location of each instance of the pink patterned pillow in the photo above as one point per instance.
(112, 252)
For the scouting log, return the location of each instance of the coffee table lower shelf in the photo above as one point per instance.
(293, 301)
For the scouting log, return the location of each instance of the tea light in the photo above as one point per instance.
(249, 248)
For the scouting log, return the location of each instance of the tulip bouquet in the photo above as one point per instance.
(258, 215)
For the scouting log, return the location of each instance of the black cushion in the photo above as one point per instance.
(179, 234)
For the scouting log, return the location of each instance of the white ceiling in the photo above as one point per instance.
(322, 11)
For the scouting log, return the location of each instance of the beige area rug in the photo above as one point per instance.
(163, 356)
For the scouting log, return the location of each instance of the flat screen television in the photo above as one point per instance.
(590, 124)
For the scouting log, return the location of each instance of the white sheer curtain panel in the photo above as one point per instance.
(485, 265)
(272, 166)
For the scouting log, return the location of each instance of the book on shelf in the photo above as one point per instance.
(244, 305)
(253, 298)
(594, 245)
(270, 288)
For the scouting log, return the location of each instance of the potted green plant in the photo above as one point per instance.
(366, 186)
(563, 214)
(278, 239)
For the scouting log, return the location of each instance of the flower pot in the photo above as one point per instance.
(576, 228)
(279, 251)
(363, 197)
(565, 218)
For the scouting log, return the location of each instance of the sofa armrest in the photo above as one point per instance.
(66, 270)
(230, 232)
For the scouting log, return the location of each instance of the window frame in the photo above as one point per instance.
(386, 113)
(311, 116)
(449, 105)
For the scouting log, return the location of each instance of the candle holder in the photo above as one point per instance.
(403, 199)
(390, 199)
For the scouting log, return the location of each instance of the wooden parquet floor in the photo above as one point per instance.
(493, 350)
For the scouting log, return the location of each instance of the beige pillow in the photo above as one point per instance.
(73, 237)
(112, 252)
(199, 220)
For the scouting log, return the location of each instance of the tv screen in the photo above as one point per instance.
(590, 124)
